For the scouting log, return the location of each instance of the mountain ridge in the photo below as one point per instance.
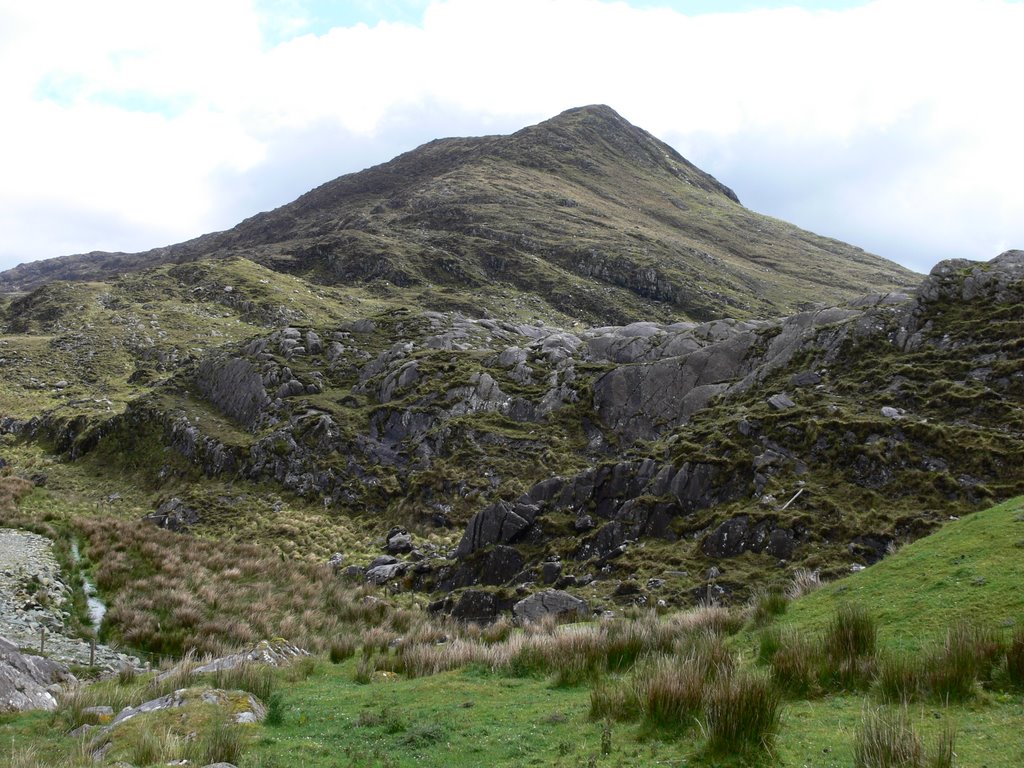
(595, 217)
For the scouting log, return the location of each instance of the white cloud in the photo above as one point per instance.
(891, 125)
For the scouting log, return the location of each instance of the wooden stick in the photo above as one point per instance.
(784, 506)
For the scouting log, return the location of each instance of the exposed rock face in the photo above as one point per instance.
(551, 602)
(476, 605)
(500, 565)
(497, 524)
(272, 653)
(29, 682)
(620, 493)
(739, 535)
(234, 386)
(960, 279)
(382, 574)
(693, 364)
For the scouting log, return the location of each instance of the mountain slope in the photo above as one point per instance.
(584, 215)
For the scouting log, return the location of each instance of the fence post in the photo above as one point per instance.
(92, 652)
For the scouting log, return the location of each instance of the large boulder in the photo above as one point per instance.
(241, 706)
(499, 523)
(476, 605)
(174, 515)
(272, 653)
(500, 565)
(29, 682)
(551, 602)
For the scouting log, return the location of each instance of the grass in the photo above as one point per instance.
(743, 712)
(671, 692)
(965, 572)
(886, 738)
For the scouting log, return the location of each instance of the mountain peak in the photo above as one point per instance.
(588, 111)
(585, 215)
(599, 133)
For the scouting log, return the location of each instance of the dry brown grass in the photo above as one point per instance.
(12, 488)
(172, 593)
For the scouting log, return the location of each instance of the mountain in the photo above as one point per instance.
(584, 217)
(377, 377)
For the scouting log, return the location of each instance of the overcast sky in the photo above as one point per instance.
(129, 124)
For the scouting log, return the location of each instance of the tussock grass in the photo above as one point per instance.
(180, 675)
(364, 670)
(766, 605)
(796, 664)
(577, 653)
(221, 743)
(849, 645)
(497, 631)
(342, 647)
(716, 618)
(1015, 660)
(257, 679)
(900, 679)
(614, 701)
(743, 713)
(670, 691)
(154, 745)
(275, 710)
(573, 657)
(12, 488)
(804, 582)
(769, 641)
(71, 705)
(852, 634)
(886, 739)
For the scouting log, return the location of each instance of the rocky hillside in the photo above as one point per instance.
(563, 359)
(583, 218)
(651, 462)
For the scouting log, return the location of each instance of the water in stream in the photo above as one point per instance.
(97, 608)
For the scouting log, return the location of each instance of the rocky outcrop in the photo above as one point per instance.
(174, 515)
(639, 498)
(963, 280)
(741, 534)
(499, 523)
(550, 602)
(665, 384)
(29, 682)
(271, 653)
(242, 707)
(234, 386)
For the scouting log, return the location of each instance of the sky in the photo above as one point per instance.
(130, 124)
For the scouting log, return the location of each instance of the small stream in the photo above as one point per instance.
(97, 608)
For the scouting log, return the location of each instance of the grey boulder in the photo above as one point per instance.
(551, 602)
(29, 682)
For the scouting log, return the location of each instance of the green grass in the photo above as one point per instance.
(967, 571)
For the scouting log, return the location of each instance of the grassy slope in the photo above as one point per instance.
(970, 569)
(915, 594)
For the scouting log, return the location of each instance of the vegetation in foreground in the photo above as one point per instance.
(708, 687)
